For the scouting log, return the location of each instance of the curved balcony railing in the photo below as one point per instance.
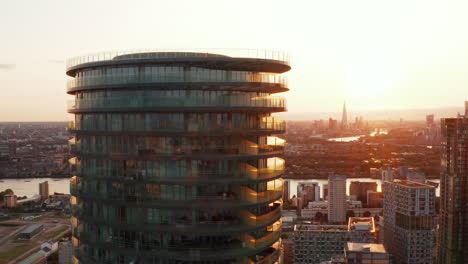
(245, 147)
(247, 223)
(146, 102)
(266, 125)
(244, 174)
(142, 78)
(244, 198)
(181, 53)
(245, 246)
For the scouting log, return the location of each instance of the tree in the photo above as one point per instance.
(367, 214)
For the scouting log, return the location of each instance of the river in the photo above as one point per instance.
(30, 186)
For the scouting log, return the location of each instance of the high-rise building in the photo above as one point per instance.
(175, 158)
(429, 120)
(325, 191)
(308, 192)
(360, 189)
(409, 230)
(286, 194)
(344, 117)
(452, 243)
(44, 190)
(337, 199)
(374, 199)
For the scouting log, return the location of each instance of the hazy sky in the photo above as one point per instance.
(371, 54)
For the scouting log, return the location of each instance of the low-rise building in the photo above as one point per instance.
(31, 231)
(317, 243)
(366, 253)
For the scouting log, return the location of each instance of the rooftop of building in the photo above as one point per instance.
(315, 228)
(234, 59)
(361, 224)
(337, 177)
(412, 184)
(31, 228)
(366, 247)
(34, 257)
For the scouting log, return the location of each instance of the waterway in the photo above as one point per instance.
(30, 186)
(354, 138)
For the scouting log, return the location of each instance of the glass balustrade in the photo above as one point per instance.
(174, 102)
(237, 246)
(272, 124)
(180, 53)
(140, 79)
(149, 148)
(242, 172)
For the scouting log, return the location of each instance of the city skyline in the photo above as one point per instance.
(372, 55)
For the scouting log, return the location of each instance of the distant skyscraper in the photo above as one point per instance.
(44, 190)
(453, 229)
(344, 117)
(308, 192)
(175, 162)
(409, 211)
(337, 199)
(360, 189)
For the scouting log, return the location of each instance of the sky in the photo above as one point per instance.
(372, 54)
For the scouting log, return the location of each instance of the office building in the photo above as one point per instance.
(317, 243)
(360, 189)
(452, 243)
(65, 252)
(325, 191)
(386, 173)
(344, 117)
(409, 231)
(337, 199)
(308, 192)
(374, 199)
(44, 190)
(366, 253)
(175, 158)
(10, 200)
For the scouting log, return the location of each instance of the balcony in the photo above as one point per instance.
(242, 102)
(241, 246)
(242, 225)
(257, 79)
(244, 197)
(268, 125)
(243, 149)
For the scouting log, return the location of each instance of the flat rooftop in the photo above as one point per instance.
(361, 224)
(31, 228)
(366, 247)
(309, 227)
(413, 184)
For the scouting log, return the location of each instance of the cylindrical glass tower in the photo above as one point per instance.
(175, 158)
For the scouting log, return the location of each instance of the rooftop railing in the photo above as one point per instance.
(178, 126)
(137, 102)
(180, 53)
(143, 78)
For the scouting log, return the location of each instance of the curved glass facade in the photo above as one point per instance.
(176, 174)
